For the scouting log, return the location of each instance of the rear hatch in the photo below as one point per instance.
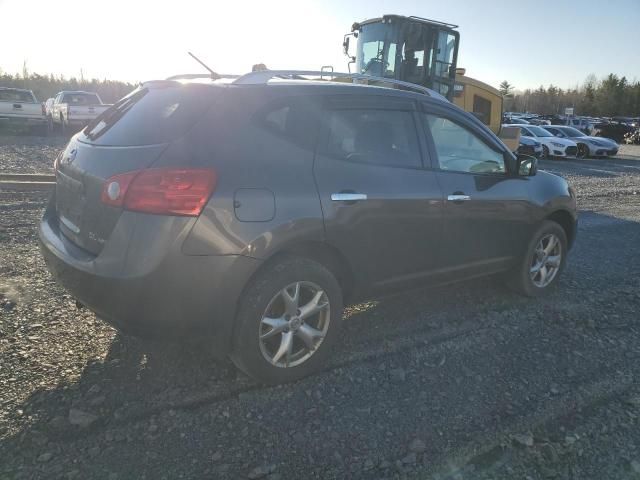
(130, 136)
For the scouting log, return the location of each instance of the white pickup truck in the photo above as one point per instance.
(71, 111)
(20, 108)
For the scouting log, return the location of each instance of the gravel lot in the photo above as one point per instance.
(462, 382)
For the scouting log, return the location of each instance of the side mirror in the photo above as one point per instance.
(345, 44)
(526, 166)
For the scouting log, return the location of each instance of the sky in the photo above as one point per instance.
(528, 44)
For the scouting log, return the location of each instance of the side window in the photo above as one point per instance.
(460, 150)
(381, 137)
(294, 120)
(525, 132)
(482, 109)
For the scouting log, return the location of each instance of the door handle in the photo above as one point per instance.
(348, 197)
(458, 198)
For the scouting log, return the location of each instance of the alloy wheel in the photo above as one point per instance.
(294, 324)
(583, 151)
(546, 261)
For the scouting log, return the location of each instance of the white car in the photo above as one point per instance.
(551, 146)
(587, 146)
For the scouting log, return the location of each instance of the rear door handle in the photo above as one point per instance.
(348, 197)
(458, 198)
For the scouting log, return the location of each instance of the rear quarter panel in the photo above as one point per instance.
(253, 164)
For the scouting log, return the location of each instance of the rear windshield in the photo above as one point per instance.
(18, 96)
(81, 99)
(151, 114)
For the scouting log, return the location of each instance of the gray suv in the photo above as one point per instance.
(249, 212)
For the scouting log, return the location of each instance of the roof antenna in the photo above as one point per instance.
(214, 75)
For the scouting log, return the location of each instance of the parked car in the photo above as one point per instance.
(19, 108)
(587, 146)
(613, 130)
(551, 146)
(248, 213)
(530, 146)
(515, 121)
(71, 111)
(579, 123)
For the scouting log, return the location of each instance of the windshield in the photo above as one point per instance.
(17, 96)
(539, 131)
(81, 99)
(377, 45)
(572, 132)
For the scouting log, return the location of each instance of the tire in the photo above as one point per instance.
(545, 152)
(521, 279)
(583, 151)
(64, 129)
(264, 298)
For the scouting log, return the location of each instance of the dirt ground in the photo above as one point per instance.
(468, 381)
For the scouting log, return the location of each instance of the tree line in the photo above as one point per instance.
(608, 97)
(47, 86)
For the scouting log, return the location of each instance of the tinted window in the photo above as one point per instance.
(460, 150)
(294, 119)
(17, 96)
(482, 109)
(81, 99)
(382, 137)
(151, 115)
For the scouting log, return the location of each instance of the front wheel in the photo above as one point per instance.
(544, 261)
(287, 322)
(583, 151)
(545, 151)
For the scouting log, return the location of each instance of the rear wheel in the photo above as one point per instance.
(545, 258)
(288, 320)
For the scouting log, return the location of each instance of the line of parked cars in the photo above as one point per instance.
(68, 111)
(617, 129)
(542, 139)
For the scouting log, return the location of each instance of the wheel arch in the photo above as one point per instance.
(567, 222)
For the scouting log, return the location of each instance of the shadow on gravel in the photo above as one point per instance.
(527, 354)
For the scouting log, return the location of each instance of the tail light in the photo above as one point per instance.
(44, 110)
(167, 191)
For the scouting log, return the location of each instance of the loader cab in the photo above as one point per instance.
(411, 49)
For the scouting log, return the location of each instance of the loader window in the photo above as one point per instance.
(378, 50)
(482, 109)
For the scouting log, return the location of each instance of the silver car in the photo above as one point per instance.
(587, 146)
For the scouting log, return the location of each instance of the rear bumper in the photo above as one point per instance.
(175, 295)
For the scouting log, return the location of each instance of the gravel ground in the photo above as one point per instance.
(464, 382)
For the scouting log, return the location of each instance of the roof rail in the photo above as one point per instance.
(263, 77)
(450, 25)
(189, 76)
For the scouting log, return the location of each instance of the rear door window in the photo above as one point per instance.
(381, 137)
(151, 115)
